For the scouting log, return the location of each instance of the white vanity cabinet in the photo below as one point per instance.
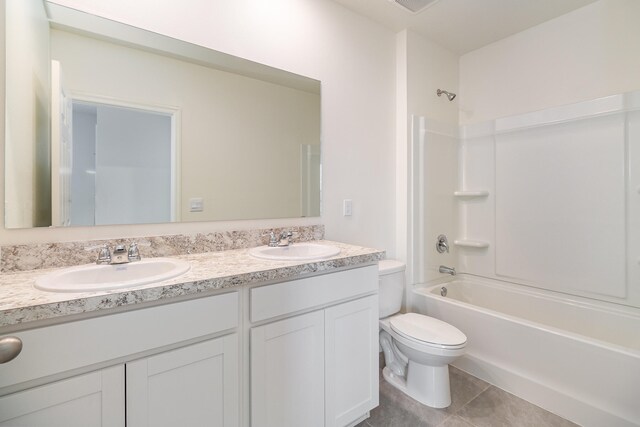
(194, 382)
(302, 352)
(195, 385)
(287, 372)
(95, 399)
(351, 360)
(319, 368)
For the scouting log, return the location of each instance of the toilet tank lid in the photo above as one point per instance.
(388, 266)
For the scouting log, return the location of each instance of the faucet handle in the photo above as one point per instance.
(285, 238)
(273, 239)
(442, 244)
(133, 253)
(104, 254)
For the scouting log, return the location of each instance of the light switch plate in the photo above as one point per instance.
(196, 204)
(347, 207)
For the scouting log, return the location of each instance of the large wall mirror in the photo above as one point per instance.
(110, 124)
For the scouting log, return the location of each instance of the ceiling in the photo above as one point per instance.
(465, 25)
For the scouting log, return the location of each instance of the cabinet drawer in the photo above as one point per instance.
(289, 297)
(59, 348)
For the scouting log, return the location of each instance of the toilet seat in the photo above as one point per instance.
(426, 330)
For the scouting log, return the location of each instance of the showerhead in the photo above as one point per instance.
(450, 95)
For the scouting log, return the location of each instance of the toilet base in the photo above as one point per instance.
(428, 385)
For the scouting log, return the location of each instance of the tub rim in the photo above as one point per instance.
(427, 290)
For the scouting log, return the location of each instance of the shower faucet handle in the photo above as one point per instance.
(442, 244)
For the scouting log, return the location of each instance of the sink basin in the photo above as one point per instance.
(295, 252)
(95, 277)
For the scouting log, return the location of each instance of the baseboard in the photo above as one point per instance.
(561, 404)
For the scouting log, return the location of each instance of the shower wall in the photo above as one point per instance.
(561, 187)
(434, 171)
(551, 199)
(423, 67)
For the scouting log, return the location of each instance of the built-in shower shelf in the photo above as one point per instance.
(478, 193)
(479, 244)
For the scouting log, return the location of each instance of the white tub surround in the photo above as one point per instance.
(21, 302)
(546, 204)
(547, 199)
(562, 207)
(572, 356)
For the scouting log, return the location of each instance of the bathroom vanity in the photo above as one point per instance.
(235, 341)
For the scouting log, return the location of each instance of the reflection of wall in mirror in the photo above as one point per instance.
(240, 137)
(310, 180)
(27, 168)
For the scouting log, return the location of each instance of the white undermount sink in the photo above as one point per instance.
(295, 252)
(86, 278)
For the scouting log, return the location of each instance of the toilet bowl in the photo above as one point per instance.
(417, 348)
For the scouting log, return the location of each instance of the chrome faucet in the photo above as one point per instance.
(447, 270)
(120, 254)
(442, 244)
(283, 240)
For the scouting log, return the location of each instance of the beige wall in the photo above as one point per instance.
(586, 54)
(27, 170)
(237, 153)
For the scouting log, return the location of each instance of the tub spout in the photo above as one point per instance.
(447, 270)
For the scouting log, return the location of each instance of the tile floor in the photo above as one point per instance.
(474, 403)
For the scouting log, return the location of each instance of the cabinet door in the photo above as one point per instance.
(93, 399)
(195, 385)
(351, 360)
(287, 372)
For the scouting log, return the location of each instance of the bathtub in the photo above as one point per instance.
(569, 355)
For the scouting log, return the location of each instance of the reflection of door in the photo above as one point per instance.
(61, 149)
(124, 165)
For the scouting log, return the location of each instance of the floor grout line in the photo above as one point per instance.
(445, 419)
(469, 402)
(472, 399)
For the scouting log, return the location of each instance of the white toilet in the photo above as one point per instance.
(417, 348)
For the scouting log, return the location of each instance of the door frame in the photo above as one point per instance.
(176, 142)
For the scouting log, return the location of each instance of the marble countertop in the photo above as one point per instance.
(21, 302)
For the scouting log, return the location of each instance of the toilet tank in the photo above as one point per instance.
(391, 286)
